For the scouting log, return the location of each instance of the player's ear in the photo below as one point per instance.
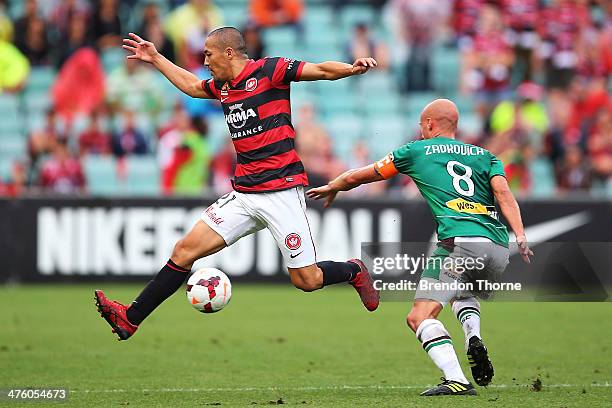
(229, 52)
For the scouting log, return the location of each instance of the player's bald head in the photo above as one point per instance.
(440, 117)
(228, 37)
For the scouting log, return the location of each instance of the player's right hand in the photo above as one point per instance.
(363, 65)
(141, 49)
(523, 247)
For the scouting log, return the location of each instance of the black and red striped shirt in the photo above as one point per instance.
(257, 110)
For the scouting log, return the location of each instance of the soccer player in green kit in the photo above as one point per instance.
(460, 183)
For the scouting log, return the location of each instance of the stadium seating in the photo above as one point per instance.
(13, 147)
(135, 176)
(353, 14)
(101, 175)
(445, 70)
(9, 106)
(142, 176)
(279, 37)
(386, 134)
(369, 108)
(542, 173)
(112, 58)
(5, 169)
(217, 132)
(41, 79)
(37, 101)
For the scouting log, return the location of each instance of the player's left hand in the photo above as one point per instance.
(363, 65)
(323, 192)
(524, 249)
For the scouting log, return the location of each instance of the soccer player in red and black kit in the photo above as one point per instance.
(269, 179)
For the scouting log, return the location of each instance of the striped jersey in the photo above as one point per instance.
(257, 110)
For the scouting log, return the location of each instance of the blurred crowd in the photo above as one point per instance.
(537, 74)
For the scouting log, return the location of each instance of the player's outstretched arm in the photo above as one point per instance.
(181, 78)
(511, 211)
(344, 182)
(332, 70)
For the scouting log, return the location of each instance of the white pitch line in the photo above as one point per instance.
(330, 388)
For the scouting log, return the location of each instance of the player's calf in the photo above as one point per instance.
(467, 312)
(325, 273)
(308, 279)
(437, 343)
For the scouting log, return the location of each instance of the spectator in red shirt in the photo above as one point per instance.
(94, 140)
(600, 146)
(42, 141)
(487, 62)
(62, 173)
(273, 13)
(521, 18)
(605, 39)
(465, 19)
(15, 184)
(415, 23)
(561, 26)
(222, 169)
(588, 97)
(574, 172)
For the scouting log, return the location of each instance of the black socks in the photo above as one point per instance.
(170, 278)
(336, 272)
(167, 281)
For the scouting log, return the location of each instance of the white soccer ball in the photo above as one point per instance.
(209, 290)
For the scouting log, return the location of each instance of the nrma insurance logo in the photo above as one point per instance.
(238, 116)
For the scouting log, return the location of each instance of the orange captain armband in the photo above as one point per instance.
(385, 167)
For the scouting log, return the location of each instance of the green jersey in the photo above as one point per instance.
(453, 177)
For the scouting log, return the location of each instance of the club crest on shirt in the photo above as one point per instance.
(293, 241)
(251, 84)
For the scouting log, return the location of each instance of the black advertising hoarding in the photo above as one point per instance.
(55, 240)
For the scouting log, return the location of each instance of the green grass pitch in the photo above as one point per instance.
(275, 344)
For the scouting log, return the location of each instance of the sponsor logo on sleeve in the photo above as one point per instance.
(289, 62)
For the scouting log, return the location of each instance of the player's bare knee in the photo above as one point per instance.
(414, 319)
(182, 254)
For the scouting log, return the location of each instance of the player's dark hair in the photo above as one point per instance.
(230, 37)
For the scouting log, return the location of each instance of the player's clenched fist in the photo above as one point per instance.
(141, 49)
(362, 65)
